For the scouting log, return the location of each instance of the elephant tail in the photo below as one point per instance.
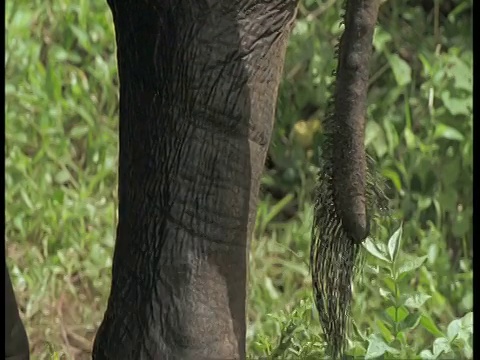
(349, 190)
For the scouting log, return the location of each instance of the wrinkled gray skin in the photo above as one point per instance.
(198, 90)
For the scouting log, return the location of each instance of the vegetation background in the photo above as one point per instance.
(413, 297)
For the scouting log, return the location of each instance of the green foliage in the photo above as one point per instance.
(61, 163)
(419, 130)
(402, 327)
(412, 299)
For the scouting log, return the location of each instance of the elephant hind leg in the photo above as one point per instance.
(16, 341)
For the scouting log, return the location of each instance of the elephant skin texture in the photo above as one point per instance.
(198, 90)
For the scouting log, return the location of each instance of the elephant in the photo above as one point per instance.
(198, 89)
(16, 341)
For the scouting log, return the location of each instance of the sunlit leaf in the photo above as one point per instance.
(377, 347)
(410, 265)
(394, 243)
(374, 250)
(427, 322)
(416, 301)
(447, 132)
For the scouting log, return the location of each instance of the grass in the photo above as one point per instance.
(61, 108)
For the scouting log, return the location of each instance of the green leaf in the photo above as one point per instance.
(453, 329)
(356, 351)
(82, 37)
(468, 351)
(441, 346)
(410, 140)
(390, 283)
(394, 178)
(394, 243)
(463, 222)
(427, 322)
(410, 265)
(53, 83)
(397, 315)
(373, 249)
(424, 202)
(270, 288)
(387, 295)
(427, 67)
(401, 70)
(62, 177)
(392, 137)
(467, 321)
(411, 321)
(386, 318)
(467, 301)
(462, 75)
(461, 328)
(400, 301)
(447, 132)
(451, 171)
(401, 336)
(375, 136)
(277, 208)
(79, 131)
(448, 198)
(381, 38)
(384, 331)
(377, 347)
(357, 331)
(417, 300)
(427, 354)
(457, 106)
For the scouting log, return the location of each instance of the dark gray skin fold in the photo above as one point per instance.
(16, 341)
(198, 90)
